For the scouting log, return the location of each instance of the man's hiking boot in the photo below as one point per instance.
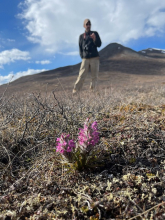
(74, 92)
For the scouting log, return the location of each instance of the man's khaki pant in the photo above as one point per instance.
(93, 65)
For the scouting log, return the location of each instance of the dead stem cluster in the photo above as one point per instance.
(128, 184)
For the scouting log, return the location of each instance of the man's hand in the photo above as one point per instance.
(93, 36)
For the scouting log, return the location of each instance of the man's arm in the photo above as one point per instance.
(97, 41)
(80, 47)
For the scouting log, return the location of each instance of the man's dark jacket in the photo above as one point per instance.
(88, 47)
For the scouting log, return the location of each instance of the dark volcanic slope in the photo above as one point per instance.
(119, 66)
(153, 52)
(115, 49)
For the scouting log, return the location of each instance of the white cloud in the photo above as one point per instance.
(10, 40)
(11, 76)
(56, 24)
(43, 62)
(6, 79)
(72, 53)
(10, 56)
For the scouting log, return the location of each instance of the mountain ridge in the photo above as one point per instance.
(116, 61)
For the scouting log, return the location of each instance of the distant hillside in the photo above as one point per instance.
(119, 66)
(153, 52)
(118, 50)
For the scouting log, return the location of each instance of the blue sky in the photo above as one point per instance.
(38, 35)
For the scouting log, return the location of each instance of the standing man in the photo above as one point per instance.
(88, 43)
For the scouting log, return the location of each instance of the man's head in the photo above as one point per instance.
(87, 24)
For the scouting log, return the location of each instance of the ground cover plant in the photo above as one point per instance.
(121, 175)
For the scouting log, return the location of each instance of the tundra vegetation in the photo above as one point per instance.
(92, 156)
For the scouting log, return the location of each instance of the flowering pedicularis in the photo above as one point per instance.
(64, 144)
(88, 136)
(87, 139)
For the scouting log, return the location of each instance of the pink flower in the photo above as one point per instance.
(65, 145)
(89, 135)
